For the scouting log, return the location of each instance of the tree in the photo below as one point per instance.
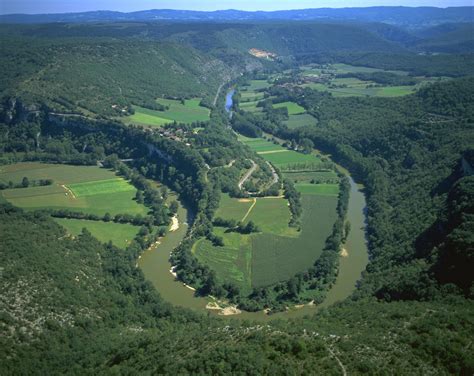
(174, 206)
(25, 182)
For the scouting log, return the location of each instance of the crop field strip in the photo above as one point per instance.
(95, 194)
(293, 108)
(100, 187)
(120, 234)
(189, 112)
(277, 258)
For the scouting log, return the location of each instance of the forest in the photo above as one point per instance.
(72, 304)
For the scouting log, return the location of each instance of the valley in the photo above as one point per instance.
(229, 192)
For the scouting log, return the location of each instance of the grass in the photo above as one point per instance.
(290, 159)
(188, 112)
(56, 196)
(293, 108)
(277, 258)
(346, 68)
(120, 234)
(232, 208)
(257, 85)
(306, 177)
(296, 121)
(232, 263)
(318, 189)
(92, 188)
(272, 216)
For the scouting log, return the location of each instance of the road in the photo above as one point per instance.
(248, 174)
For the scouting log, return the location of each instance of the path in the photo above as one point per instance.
(274, 174)
(343, 369)
(214, 102)
(248, 174)
(248, 211)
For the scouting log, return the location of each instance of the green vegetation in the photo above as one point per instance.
(278, 258)
(98, 187)
(75, 305)
(107, 194)
(231, 262)
(293, 108)
(186, 111)
(318, 189)
(301, 120)
(120, 234)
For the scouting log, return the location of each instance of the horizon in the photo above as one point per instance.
(29, 7)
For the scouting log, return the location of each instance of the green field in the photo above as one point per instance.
(58, 196)
(272, 216)
(233, 208)
(279, 156)
(92, 188)
(188, 112)
(260, 145)
(119, 234)
(232, 263)
(276, 253)
(250, 106)
(293, 108)
(277, 258)
(346, 68)
(296, 121)
(290, 159)
(318, 189)
(307, 176)
(257, 85)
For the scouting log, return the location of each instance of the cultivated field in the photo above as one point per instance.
(188, 112)
(277, 258)
(296, 121)
(293, 108)
(232, 263)
(318, 189)
(281, 157)
(99, 190)
(233, 208)
(119, 234)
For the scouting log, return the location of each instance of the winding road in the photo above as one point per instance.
(248, 174)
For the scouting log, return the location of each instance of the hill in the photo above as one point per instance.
(403, 16)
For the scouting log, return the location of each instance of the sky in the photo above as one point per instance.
(66, 6)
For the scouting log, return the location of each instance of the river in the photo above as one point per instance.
(156, 266)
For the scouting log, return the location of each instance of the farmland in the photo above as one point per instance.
(329, 79)
(99, 190)
(318, 189)
(188, 112)
(120, 234)
(277, 258)
(293, 108)
(300, 120)
(232, 262)
(279, 156)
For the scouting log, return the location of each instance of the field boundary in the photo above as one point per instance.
(69, 190)
(250, 210)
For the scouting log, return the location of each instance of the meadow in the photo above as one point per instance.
(189, 112)
(308, 176)
(318, 189)
(232, 208)
(293, 108)
(277, 258)
(97, 187)
(296, 121)
(232, 262)
(89, 180)
(279, 156)
(120, 234)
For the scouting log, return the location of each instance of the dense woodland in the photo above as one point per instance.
(74, 305)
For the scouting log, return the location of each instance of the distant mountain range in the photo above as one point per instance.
(402, 16)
